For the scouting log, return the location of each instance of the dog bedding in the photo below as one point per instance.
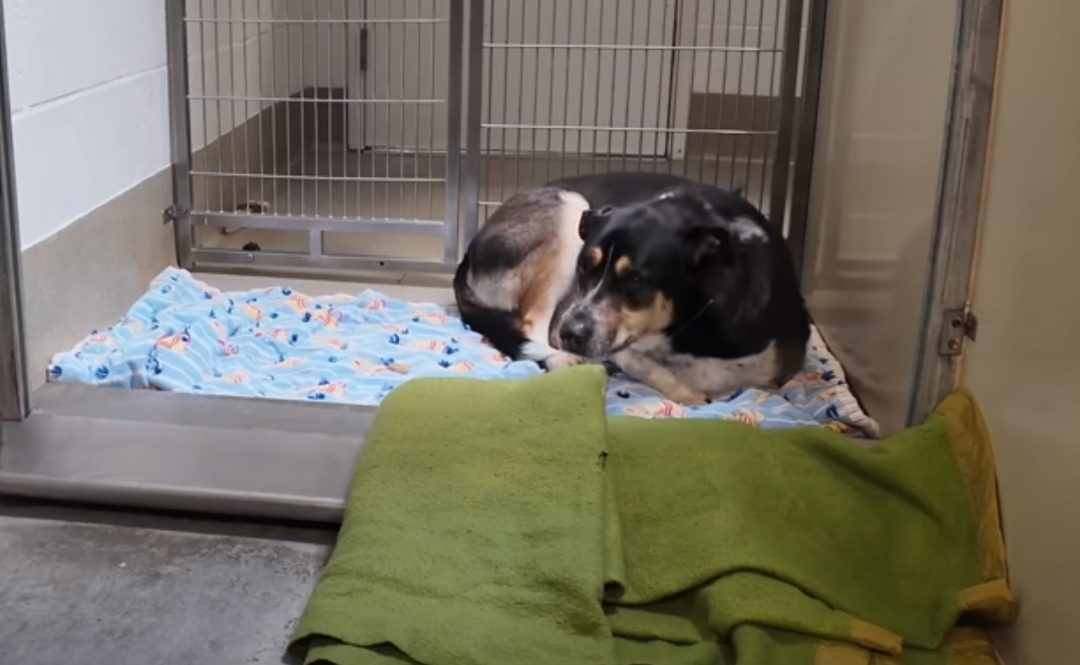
(185, 336)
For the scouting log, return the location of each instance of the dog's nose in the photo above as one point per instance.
(575, 333)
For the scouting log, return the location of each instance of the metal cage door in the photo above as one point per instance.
(318, 135)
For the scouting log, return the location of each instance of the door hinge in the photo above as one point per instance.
(173, 213)
(363, 49)
(956, 326)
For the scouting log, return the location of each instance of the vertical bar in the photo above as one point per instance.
(754, 100)
(317, 105)
(403, 149)
(207, 182)
(662, 140)
(566, 90)
(303, 122)
(630, 83)
(708, 83)
(551, 91)
(474, 93)
(504, 147)
(723, 96)
(387, 95)
(330, 108)
(599, 79)
(179, 128)
(580, 120)
(804, 155)
(245, 115)
(788, 76)
(430, 111)
(772, 85)
(738, 95)
(288, 117)
(233, 92)
(520, 78)
(417, 45)
(694, 55)
(345, 106)
(14, 386)
(615, 50)
(220, 180)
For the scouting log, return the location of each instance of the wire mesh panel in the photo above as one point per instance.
(692, 87)
(313, 121)
(326, 134)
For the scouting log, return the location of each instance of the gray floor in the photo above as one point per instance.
(88, 586)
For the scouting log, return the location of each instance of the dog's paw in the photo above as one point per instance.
(562, 359)
(687, 397)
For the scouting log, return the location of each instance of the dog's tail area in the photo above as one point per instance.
(499, 326)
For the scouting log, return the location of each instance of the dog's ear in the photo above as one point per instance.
(708, 242)
(591, 220)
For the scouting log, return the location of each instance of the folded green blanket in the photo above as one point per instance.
(505, 523)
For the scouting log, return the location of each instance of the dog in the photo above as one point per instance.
(685, 287)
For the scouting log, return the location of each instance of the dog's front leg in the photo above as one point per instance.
(642, 368)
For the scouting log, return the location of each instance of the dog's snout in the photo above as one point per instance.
(575, 332)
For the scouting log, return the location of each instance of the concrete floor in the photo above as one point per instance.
(90, 586)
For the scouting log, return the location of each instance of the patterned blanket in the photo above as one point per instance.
(185, 336)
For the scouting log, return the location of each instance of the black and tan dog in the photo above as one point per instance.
(685, 287)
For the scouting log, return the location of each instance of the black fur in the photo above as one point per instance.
(497, 325)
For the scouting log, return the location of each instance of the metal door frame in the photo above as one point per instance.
(14, 387)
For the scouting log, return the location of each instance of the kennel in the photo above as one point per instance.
(351, 138)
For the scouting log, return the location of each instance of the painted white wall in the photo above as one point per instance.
(89, 88)
(89, 104)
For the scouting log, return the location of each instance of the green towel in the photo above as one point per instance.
(510, 523)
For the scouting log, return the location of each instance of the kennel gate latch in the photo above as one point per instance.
(174, 213)
(956, 324)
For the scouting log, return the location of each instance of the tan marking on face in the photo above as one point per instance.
(622, 265)
(594, 256)
(634, 323)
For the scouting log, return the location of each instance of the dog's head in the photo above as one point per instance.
(646, 268)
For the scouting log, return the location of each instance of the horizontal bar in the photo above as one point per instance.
(389, 226)
(659, 130)
(632, 47)
(311, 100)
(198, 500)
(319, 178)
(331, 21)
(329, 263)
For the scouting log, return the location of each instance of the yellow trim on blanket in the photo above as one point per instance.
(841, 653)
(875, 637)
(993, 600)
(969, 646)
(971, 445)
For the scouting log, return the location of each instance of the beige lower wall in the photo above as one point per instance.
(1025, 366)
(88, 274)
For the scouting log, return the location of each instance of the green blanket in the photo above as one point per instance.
(509, 523)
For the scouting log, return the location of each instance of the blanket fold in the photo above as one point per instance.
(495, 522)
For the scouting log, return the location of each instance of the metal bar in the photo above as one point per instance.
(318, 108)
(309, 178)
(395, 226)
(431, 133)
(755, 93)
(245, 115)
(964, 162)
(622, 47)
(566, 92)
(14, 385)
(708, 84)
(782, 163)
(402, 38)
(488, 108)
(179, 129)
(686, 161)
(769, 112)
(220, 120)
(259, 105)
(454, 74)
(605, 128)
(804, 155)
(329, 112)
(288, 116)
(417, 77)
(551, 91)
(233, 125)
(203, 57)
(308, 21)
(328, 263)
(303, 121)
(611, 98)
(472, 116)
(738, 94)
(723, 96)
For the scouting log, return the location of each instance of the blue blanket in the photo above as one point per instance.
(185, 336)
